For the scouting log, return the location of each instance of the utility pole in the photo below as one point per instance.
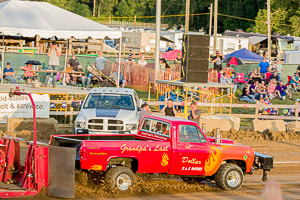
(210, 18)
(187, 17)
(157, 45)
(215, 26)
(269, 28)
(94, 8)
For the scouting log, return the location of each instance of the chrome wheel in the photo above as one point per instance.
(123, 182)
(233, 179)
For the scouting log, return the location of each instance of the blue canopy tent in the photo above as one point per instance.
(246, 55)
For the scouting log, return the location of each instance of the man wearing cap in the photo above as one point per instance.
(217, 61)
(54, 55)
(178, 59)
(9, 74)
(129, 60)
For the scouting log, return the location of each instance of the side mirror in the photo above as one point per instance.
(139, 109)
(75, 104)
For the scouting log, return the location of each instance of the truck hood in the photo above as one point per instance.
(125, 115)
(223, 140)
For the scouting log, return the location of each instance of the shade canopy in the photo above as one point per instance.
(246, 55)
(28, 19)
(171, 55)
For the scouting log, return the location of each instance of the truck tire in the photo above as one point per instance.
(121, 178)
(229, 177)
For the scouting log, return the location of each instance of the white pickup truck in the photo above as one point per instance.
(108, 110)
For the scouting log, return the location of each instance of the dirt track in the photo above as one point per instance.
(286, 173)
(280, 145)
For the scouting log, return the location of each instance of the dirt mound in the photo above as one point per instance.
(248, 135)
(28, 135)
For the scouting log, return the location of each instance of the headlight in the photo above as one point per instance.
(81, 124)
(131, 127)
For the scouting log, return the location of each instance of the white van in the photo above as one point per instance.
(109, 110)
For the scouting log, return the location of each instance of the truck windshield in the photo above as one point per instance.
(109, 101)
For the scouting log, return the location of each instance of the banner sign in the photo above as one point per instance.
(21, 107)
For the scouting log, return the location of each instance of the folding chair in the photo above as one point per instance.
(240, 79)
(288, 84)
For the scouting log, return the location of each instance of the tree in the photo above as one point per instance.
(285, 17)
(124, 10)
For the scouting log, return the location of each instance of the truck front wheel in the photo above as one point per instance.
(119, 177)
(229, 177)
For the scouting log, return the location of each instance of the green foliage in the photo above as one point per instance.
(283, 12)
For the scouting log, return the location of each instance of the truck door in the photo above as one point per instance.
(190, 152)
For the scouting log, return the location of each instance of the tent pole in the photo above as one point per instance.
(120, 55)
(2, 65)
(66, 60)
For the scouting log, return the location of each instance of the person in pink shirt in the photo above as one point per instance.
(272, 89)
(29, 75)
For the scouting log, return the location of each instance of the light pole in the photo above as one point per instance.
(210, 19)
(157, 41)
(187, 16)
(269, 28)
(215, 26)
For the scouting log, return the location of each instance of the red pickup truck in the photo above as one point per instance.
(165, 145)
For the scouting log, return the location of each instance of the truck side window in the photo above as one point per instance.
(156, 127)
(146, 125)
(189, 133)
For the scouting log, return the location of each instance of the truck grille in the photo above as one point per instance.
(96, 121)
(105, 125)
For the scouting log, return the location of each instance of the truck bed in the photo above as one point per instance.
(74, 140)
(95, 151)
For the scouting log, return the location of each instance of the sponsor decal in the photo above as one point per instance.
(164, 161)
(98, 154)
(96, 167)
(191, 168)
(140, 148)
(193, 161)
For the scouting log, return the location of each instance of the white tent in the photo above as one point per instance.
(28, 19)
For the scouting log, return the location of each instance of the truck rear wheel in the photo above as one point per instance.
(229, 177)
(121, 178)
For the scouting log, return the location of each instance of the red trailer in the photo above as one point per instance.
(19, 180)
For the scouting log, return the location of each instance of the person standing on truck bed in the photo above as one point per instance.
(169, 109)
(195, 113)
(145, 111)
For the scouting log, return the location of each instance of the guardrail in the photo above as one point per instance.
(257, 107)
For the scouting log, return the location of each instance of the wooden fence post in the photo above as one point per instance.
(71, 109)
(296, 111)
(256, 110)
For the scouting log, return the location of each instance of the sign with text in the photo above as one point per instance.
(21, 107)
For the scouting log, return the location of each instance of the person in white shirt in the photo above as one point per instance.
(142, 61)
